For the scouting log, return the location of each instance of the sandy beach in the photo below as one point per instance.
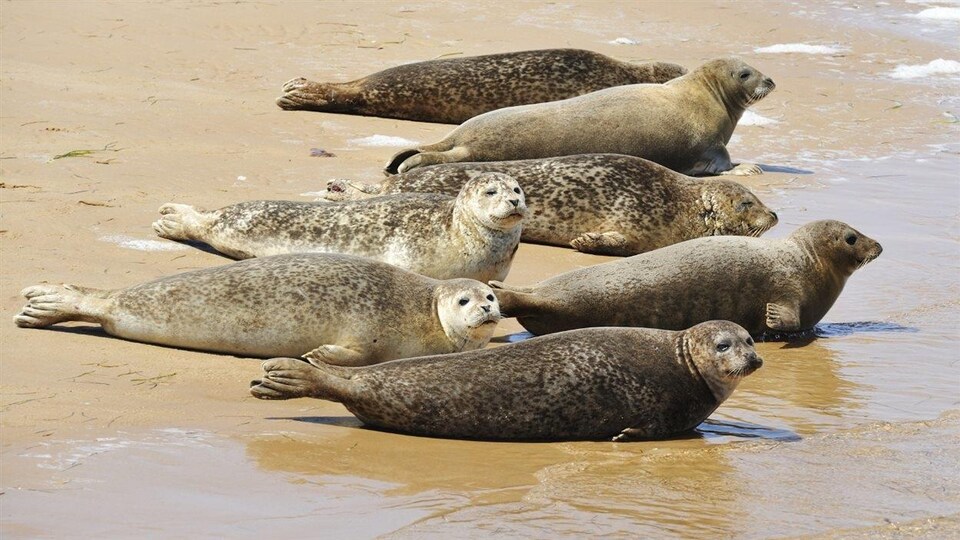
(110, 109)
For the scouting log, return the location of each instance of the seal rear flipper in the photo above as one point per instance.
(288, 378)
(515, 301)
(52, 304)
(393, 166)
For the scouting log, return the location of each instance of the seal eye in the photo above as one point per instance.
(744, 206)
(723, 346)
(516, 190)
(749, 341)
(464, 301)
(491, 192)
(744, 75)
(851, 239)
(490, 297)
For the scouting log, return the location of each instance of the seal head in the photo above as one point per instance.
(495, 200)
(468, 312)
(729, 209)
(837, 246)
(721, 352)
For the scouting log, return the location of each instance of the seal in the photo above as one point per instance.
(683, 124)
(340, 309)
(595, 383)
(608, 204)
(473, 236)
(453, 90)
(767, 286)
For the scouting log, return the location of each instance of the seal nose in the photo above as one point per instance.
(879, 249)
(485, 308)
(754, 361)
(515, 202)
(769, 82)
(775, 216)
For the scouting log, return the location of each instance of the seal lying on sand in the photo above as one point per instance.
(473, 236)
(683, 124)
(455, 89)
(608, 204)
(783, 285)
(336, 308)
(585, 384)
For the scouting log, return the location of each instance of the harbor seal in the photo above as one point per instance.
(767, 286)
(596, 383)
(453, 90)
(608, 204)
(683, 124)
(333, 308)
(473, 236)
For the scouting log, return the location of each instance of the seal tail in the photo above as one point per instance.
(515, 301)
(288, 378)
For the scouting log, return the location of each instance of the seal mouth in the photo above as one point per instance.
(758, 230)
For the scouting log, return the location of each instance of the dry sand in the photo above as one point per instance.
(853, 434)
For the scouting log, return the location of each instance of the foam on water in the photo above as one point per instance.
(624, 41)
(935, 67)
(751, 118)
(382, 140)
(804, 48)
(130, 242)
(940, 14)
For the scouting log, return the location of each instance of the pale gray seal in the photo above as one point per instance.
(335, 308)
(452, 90)
(766, 286)
(473, 236)
(595, 383)
(683, 124)
(608, 204)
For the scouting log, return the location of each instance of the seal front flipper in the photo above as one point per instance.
(716, 161)
(288, 378)
(784, 318)
(744, 169)
(336, 355)
(426, 158)
(605, 243)
(341, 189)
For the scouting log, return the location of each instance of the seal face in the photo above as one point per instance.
(683, 124)
(766, 286)
(328, 308)
(455, 89)
(473, 236)
(607, 204)
(595, 383)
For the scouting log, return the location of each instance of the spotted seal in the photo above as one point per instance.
(333, 308)
(683, 124)
(473, 236)
(595, 383)
(765, 285)
(452, 90)
(607, 204)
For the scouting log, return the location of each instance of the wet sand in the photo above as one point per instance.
(854, 433)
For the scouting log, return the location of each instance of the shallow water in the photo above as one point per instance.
(852, 431)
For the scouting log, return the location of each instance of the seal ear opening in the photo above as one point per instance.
(393, 166)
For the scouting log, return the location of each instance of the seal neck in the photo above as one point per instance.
(684, 357)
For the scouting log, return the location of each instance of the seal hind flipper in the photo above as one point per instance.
(393, 166)
(288, 378)
(181, 222)
(605, 243)
(335, 354)
(52, 304)
(515, 301)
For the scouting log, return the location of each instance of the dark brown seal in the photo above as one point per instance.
(608, 204)
(766, 286)
(597, 383)
(455, 89)
(683, 124)
(332, 308)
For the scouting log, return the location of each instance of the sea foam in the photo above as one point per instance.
(382, 140)
(804, 48)
(130, 242)
(936, 67)
(940, 14)
(751, 118)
